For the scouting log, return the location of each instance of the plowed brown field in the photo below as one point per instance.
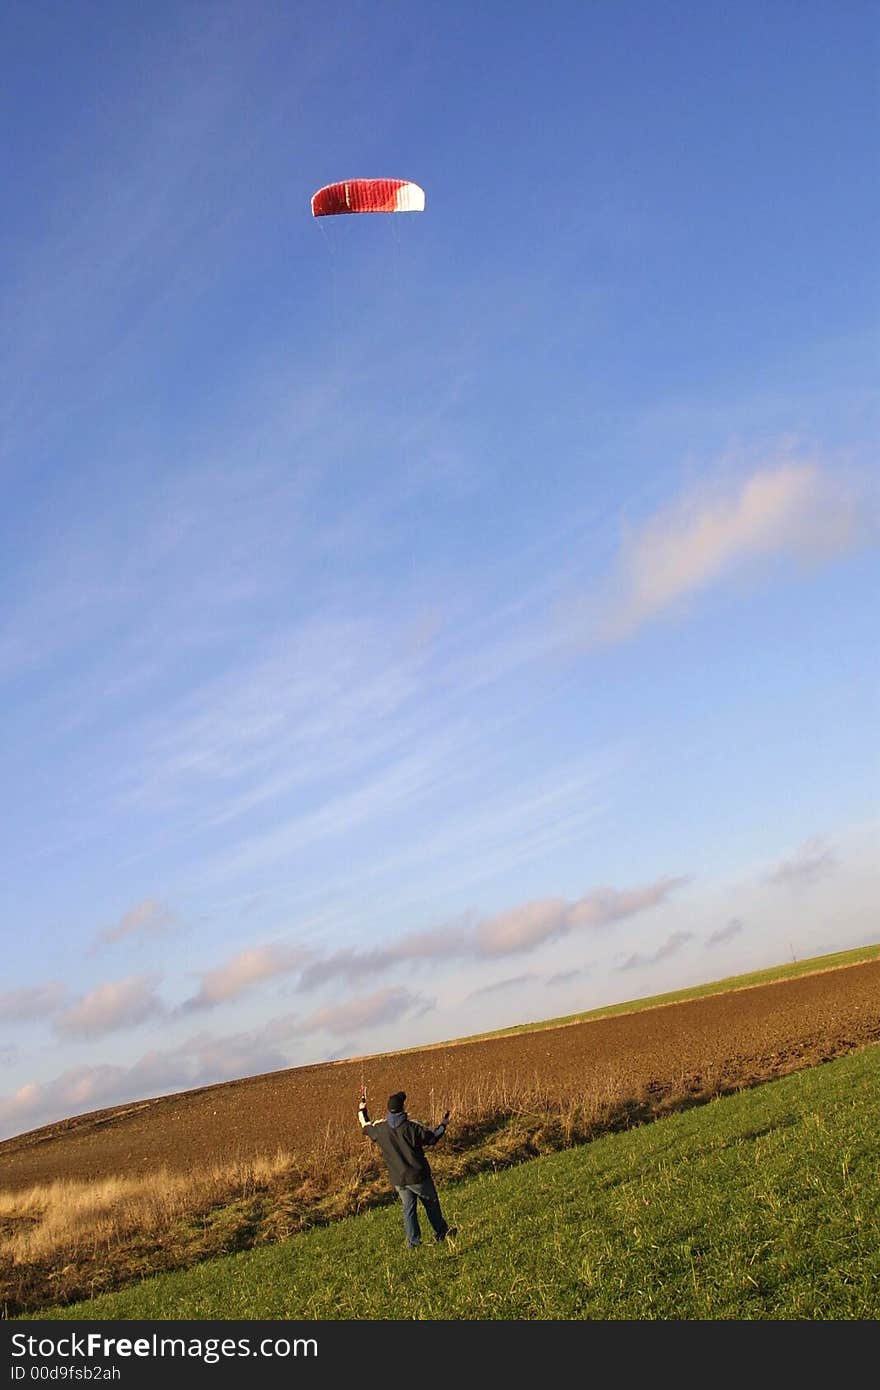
(698, 1047)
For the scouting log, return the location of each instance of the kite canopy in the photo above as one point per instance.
(368, 195)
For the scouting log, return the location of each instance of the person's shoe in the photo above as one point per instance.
(413, 1245)
(450, 1231)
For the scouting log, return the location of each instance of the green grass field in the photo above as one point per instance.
(765, 1204)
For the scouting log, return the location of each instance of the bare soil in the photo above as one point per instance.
(666, 1054)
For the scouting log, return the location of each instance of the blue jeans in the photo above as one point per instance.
(426, 1193)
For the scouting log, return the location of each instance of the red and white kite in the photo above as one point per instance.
(368, 195)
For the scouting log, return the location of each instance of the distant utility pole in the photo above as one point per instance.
(793, 956)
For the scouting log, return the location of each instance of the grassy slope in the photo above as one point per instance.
(765, 1204)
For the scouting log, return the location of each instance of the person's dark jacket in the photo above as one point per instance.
(402, 1142)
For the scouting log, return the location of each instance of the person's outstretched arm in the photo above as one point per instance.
(431, 1136)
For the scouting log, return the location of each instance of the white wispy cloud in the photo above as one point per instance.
(146, 919)
(670, 947)
(565, 977)
(381, 794)
(498, 986)
(298, 710)
(730, 930)
(352, 1016)
(784, 508)
(532, 924)
(518, 930)
(245, 971)
(472, 834)
(352, 964)
(113, 1006)
(813, 861)
(30, 1002)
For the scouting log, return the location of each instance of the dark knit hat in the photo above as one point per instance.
(397, 1102)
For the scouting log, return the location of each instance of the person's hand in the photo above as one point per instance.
(445, 1119)
(363, 1100)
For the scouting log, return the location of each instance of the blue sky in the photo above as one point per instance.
(415, 624)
